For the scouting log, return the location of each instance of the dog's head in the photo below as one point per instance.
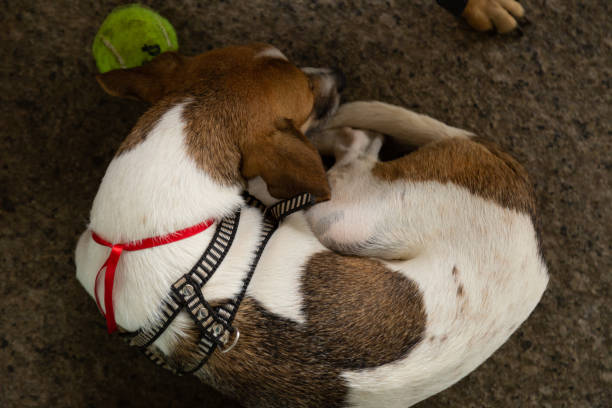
(246, 111)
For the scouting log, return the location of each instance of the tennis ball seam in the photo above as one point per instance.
(163, 29)
(114, 51)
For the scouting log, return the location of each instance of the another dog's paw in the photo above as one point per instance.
(483, 15)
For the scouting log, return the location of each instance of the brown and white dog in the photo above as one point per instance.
(436, 258)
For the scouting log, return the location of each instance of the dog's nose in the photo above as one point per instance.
(340, 79)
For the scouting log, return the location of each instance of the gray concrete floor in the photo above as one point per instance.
(544, 95)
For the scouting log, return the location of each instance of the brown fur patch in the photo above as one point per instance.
(212, 145)
(274, 364)
(359, 315)
(236, 103)
(478, 165)
(363, 313)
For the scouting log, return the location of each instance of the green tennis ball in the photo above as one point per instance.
(130, 36)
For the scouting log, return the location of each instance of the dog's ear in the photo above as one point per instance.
(147, 82)
(288, 163)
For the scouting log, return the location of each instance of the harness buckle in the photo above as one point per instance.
(227, 349)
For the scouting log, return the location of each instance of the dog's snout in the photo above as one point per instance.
(327, 85)
(332, 78)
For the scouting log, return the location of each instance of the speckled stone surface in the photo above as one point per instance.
(544, 95)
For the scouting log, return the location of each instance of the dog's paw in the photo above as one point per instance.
(356, 144)
(483, 15)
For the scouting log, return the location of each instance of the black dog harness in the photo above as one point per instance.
(213, 323)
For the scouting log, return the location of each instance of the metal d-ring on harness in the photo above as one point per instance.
(214, 323)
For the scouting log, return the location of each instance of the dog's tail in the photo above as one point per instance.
(403, 125)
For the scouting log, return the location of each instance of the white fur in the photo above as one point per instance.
(277, 280)
(271, 52)
(289, 249)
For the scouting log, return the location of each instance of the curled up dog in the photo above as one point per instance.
(400, 280)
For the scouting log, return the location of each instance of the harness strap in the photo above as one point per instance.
(113, 259)
(214, 323)
(199, 274)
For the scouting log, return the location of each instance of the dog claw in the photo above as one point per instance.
(523, 21)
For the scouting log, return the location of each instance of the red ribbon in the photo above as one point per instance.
(115, 254)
